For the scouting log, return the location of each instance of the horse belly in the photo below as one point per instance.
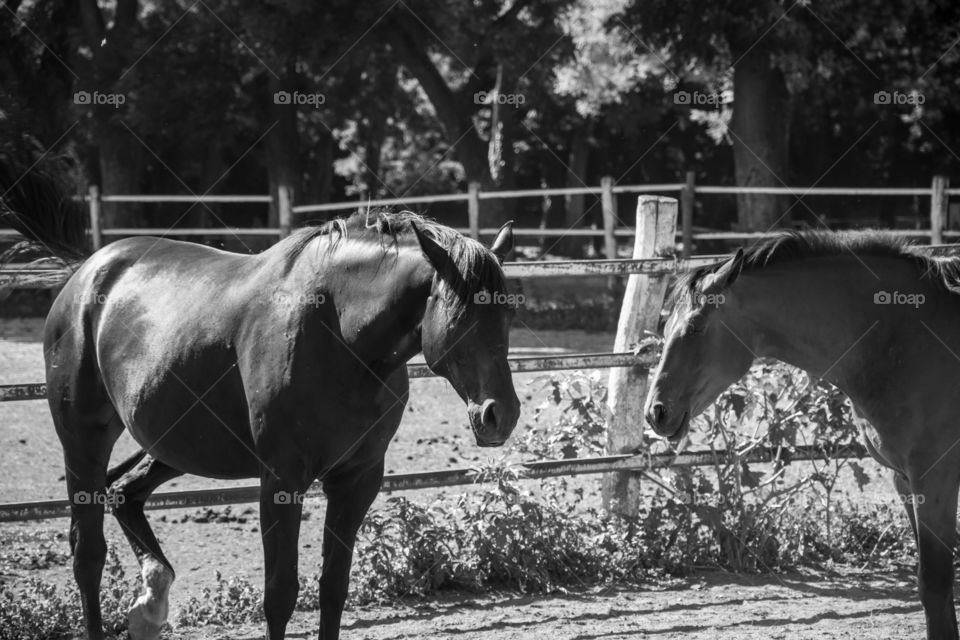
(194, 418)
(205, 440)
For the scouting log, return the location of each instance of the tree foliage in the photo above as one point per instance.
(422, 97)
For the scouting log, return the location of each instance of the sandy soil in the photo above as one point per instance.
(807, 606)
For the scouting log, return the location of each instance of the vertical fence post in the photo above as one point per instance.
(609, 217)
(939, 201)
(93, 200)
(640, 311)
(473, 209)
(687, 195)
(285, 209)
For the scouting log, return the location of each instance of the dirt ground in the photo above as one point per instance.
(802, 606)
(822, 604)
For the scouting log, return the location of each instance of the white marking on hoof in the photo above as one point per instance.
(149, 612)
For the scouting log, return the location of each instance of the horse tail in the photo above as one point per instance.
(37, 201)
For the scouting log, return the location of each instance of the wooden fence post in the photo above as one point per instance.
(609, 217)
(939, 202)
(640, 311)
(473, 209)
(285, 210)
(687, 196)
(96, 235)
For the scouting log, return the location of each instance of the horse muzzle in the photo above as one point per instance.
(667, 424)
(492, 422)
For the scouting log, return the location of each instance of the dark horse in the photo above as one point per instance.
(865, 312)
(287, 366)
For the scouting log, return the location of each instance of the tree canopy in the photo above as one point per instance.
(344, 100)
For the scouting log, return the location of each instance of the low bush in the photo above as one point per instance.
(42, 611)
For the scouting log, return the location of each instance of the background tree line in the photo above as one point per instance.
(340, 100)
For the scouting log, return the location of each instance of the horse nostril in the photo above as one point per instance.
(488, 415)
(655, 415)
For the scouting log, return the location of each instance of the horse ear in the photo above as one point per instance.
(503, 245)
(729, 272)
(436, 255)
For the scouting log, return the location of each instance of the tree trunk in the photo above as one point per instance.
(554, 206)
(575, 205)
(119, 153)
(456, 110)
(494, 212)
(321, 182)
(211, 179)
(374, 150)
(501, 160)
(759, 128)
(121, 161)
(282, 143)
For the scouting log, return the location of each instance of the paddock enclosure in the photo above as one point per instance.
(823, 603)
(646, 288)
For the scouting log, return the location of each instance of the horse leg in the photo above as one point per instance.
(902, 485)
(86, 453)
(114, 473)
(281, 505)
(934, 496)
(129, 492)
(347, 504)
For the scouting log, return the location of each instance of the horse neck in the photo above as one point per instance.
(379, 295)
(818, 313)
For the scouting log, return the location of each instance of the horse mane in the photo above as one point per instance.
(471, 266)
(791, 246)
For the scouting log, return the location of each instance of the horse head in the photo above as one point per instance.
(465, 331)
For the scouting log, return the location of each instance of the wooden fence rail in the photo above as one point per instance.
(939, 193)
(624, 463)
(32, 277)
(521, 364)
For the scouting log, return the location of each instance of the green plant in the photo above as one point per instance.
(581, 426)
(38, 610)
(761, 516)
(230, 601)
(409, 549)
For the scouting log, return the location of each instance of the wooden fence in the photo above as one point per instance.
(651, 265)
(620, 464)
(939, 193)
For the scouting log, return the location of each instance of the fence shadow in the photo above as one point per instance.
(853, 587)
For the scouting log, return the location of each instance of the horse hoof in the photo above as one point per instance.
(140, 623)
(149, 613)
